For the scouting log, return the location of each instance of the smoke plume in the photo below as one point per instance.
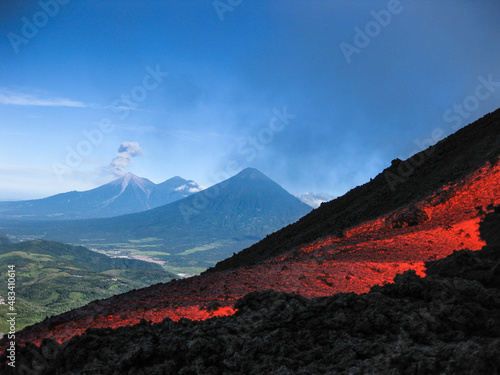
(126, 152)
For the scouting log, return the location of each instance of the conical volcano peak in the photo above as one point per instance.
(125, 194)
(130, 178)
(125, 178)
(252, 173)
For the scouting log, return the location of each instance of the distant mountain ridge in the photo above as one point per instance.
(201, 229)
(362, 239)
(127, 194)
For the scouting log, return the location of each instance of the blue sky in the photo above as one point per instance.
(319, 95)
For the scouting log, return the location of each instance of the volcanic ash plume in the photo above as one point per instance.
(126, 152)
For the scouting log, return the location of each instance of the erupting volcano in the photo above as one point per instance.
(359, 240)
(350, 244)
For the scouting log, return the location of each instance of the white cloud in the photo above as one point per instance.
(315, 200)
(37, 98)
(191, 187)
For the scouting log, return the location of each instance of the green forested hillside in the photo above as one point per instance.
(52, 278)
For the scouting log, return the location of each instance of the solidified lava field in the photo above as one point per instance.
(438, 318)
(445, 323)
(369, 254)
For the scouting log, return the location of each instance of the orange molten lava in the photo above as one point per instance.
(369, 254)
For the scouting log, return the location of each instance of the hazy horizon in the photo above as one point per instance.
(319, 96)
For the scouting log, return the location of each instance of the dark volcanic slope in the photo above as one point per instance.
(445, 323)
(449, 160)
(370, 253)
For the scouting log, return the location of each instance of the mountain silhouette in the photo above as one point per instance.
(126, 194)
(203, 228)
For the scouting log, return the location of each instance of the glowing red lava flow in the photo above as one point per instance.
(369, 254)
